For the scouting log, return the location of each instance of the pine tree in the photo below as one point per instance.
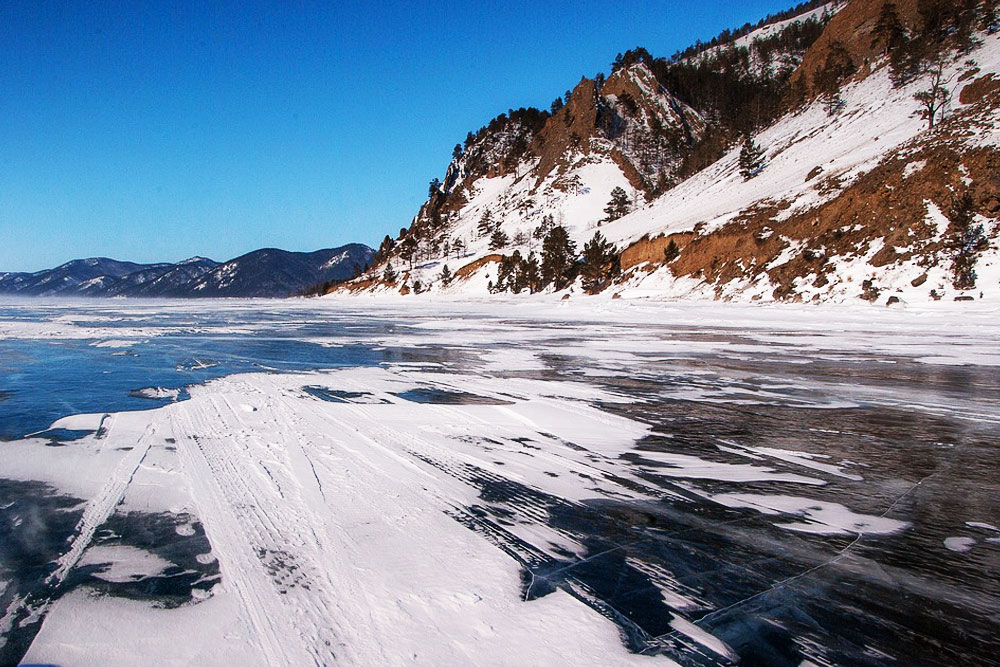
(384, 249)
(504, 274)
(516, 283)
(888, 31)
(990, 22)
(905, 62)
(751, 159)
(408, 250)
(671, 252)
(546, 225)
(498, 240)
(838, 66)
(618, 205)
(966, 241)
(532, 273)
(446, 275)
(389, 275)
(434, 187)
(599, 263)
(485, 227)
(833, 103)
(558, 258)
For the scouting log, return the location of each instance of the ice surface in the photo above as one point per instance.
(634, 483)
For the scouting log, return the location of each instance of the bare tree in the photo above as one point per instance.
(933, 99)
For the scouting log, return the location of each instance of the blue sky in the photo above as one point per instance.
(154, 131)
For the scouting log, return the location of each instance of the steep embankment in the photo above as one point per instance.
(843, 199)
(857, 195)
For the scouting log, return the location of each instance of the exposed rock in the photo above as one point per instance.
(651, 250)
(978, 89)
(472, 267)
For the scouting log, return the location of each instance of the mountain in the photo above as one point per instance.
(262, 273)
(162, 280)
(877, 179)
(273, 272)
(77, 276)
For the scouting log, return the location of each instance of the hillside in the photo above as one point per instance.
(262, 273)
(857, 195)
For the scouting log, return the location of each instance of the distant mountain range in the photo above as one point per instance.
(268, 272)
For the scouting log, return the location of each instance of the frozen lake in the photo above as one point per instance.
(544, 483)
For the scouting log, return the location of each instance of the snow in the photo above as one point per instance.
(939, 333)
(876, 121)
(157, 393)
(119, 564)
(332, 522)
(959, 544)
(706, 639)
(335, 260)
(115, 343)
(691, 467)
(778, 26)
(822, 517)
(980, 524)
(913, 168)
(806, 460)
(338, 491)
(747, 41)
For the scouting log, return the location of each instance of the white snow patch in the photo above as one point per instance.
(123, 563)
(959, 544)
(822, 517)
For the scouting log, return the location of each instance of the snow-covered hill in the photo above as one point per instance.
(852, 200)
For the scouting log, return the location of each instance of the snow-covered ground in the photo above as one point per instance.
(810, 158)
(529, 482)
(334, 542)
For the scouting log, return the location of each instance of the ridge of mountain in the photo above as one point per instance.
(268, 272)
(856, 196)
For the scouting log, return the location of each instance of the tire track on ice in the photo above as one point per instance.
(97, 511)
(267, 543)
(103, 504)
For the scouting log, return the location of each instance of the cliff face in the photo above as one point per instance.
(852, 27)
(852, 200)
(629, 118)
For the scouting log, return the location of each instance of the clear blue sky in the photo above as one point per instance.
(153, 131)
